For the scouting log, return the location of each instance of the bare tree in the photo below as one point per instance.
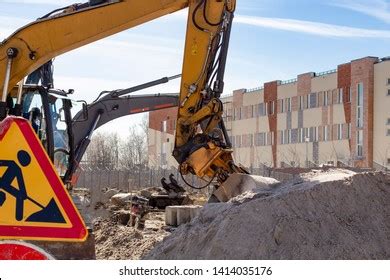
(134, 148)
(109, 151)
(103, 152)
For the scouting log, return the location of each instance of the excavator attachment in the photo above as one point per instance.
(238, 184)
(235, 185)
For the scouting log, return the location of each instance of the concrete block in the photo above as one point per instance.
(178, 215)
(195, 211)
(171, 216)
(183, 215)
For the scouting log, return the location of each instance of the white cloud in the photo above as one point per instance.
(314, 28)
(379, 9)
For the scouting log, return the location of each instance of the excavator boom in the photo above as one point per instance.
(73, 27)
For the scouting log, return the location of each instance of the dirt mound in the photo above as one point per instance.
(322, 215)
(115, 241)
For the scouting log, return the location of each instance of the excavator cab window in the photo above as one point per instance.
(60, 107)
(33, 110)
(60, 134)
(97, 2)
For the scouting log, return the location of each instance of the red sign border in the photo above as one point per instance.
(78, 232)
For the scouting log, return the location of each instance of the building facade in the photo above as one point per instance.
(340, 117)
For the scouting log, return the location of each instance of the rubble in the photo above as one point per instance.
(120, 199)
(115, 241)
(336, 214)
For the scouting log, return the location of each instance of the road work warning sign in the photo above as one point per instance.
(34, 203)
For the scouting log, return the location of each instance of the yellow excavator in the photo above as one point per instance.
(202, 145)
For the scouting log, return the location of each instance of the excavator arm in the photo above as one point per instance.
(202, 145)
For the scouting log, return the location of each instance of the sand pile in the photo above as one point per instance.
(323, 215)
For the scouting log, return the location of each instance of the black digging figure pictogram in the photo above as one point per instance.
(49, 213)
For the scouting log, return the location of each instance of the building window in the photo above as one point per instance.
(272, 108)
(313, 134)
(388, 81)
(282, 137)
(288, 104)
(388, 121)
(301, 102)
(164, 126)
(307, 101)
(388, 132)
(251, 111)
(388, 92)
(359, 108)
(312, 100)
(263, 139)
(305, 134)
(325, 99)
(261, 109)
(325, 133)
(388, 161)
(339, 132)
(300, 130)
(340, 96)
(349, 96)
(257, 139)
(288, 136)
(281, 105)
(349, 131)
(359, 142)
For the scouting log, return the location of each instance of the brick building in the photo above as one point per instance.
(339, 117)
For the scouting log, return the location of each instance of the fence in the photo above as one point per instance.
(140, 178)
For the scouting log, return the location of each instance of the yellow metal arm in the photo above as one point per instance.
(202, 146)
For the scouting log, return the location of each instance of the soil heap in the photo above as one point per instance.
(335, 214)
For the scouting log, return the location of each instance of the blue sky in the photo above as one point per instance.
(271, 39)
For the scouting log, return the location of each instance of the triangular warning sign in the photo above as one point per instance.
(34, 203)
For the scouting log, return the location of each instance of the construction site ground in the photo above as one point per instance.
(115, 241)
(333, 214)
